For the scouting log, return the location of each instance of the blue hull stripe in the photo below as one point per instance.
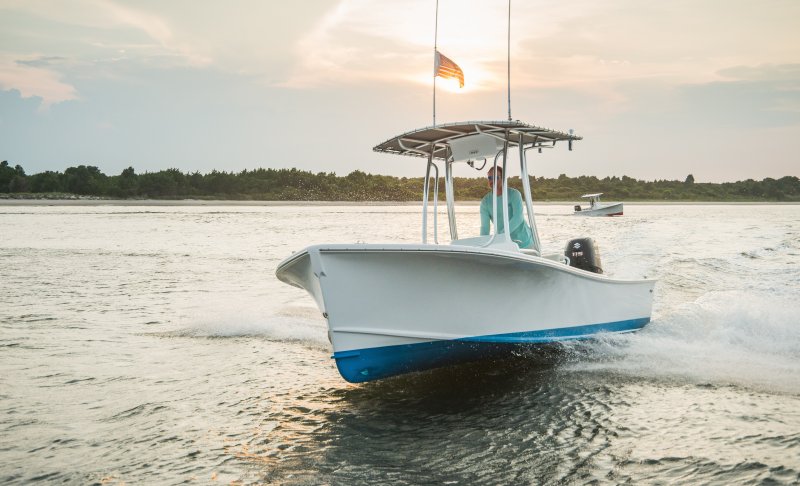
(360, 365)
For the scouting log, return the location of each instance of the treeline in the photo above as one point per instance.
(298, 185)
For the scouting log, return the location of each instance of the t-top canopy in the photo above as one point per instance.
(418, 142)
(593, 195)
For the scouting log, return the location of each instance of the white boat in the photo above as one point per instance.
(596, 208)
(398, 308)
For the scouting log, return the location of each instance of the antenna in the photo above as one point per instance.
(509, 58)
(435, 53)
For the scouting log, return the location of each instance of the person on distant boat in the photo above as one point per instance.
(520, 231)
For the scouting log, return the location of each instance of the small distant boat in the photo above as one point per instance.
(596, 208)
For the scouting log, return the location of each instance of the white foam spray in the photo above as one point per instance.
(297, 324)
(723, 338)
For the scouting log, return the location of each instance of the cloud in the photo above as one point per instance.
(101, 23)
(362, 42)
(167, 76)
(551, 44)
(41, 61)
(54, 41)
(590, 46)
(763, 96)
(764, 72)
(33, 78)
(155, 27)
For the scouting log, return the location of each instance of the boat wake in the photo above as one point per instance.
(723, 338)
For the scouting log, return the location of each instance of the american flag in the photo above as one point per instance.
(446, 68)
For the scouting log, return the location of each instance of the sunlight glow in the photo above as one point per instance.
(450, 85)
(475, 79)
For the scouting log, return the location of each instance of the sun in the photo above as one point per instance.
(450, 85)
(476, 78)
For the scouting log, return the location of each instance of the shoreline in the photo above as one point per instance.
(227, 202)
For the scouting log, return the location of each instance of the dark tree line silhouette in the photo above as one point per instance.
(298, 185)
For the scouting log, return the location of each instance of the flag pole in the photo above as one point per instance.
(435, 47)
(509, 60)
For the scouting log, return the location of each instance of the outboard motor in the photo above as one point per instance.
(577, 207)
(584, 254)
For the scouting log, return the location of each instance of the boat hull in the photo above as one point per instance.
(393, 309)
(610, 210)
(385, 361)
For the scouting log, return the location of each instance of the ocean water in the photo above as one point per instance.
(154, 345)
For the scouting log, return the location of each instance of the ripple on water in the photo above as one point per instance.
(157, 347)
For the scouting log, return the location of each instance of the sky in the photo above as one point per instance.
(658, 90)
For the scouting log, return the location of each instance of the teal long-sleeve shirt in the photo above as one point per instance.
(520, 231)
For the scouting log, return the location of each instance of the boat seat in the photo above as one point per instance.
(484, 242)
(478, 241)
(557, 257)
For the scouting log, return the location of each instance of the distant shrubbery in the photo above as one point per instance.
(298, 185)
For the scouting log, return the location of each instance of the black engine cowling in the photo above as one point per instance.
(584, 254)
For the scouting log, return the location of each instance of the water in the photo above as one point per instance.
(153, 344)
